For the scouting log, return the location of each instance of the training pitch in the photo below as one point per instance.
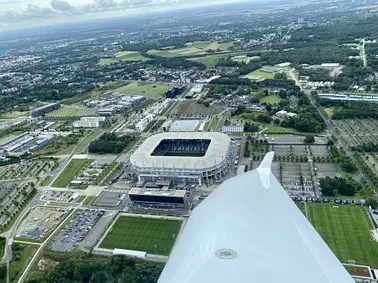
(151, 235)
(346, 230)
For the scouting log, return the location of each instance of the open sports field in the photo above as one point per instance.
(271, 99)
(259, 75)
(184, 154)
(123, 56)
(150, 235)
(70, 172)
(149, 90)
(346, 230)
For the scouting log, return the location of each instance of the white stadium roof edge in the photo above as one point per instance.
(215, 154)
(250, 230)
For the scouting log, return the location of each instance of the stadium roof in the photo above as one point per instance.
(249, 230)
(152, 192)
(215, 154)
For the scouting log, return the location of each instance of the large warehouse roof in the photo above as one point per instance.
(215, 154)
(249, 230)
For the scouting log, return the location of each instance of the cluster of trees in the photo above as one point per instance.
(84, 268)
(249, 128)
(312, 55)
(247, 151)
(343, 160)
(366, 147)
(110, 143)
(173, 63)
(309, 139)
(338, 186)
(350, 109)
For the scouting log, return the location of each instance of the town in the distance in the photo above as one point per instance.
(113, 131)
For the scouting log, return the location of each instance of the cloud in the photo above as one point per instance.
(60, 5)
(33, 11)
(106, 3)
(135, 2)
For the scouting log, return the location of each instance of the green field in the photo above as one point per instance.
(346, 230)
(130, 56)
(259, 75)
(184, 154)
(210, 60)
(13, 114)
(143, 234)
(271, 99)
(149, 90)
(65, 112)
(70, 172)
(10, 136)
(192, 49)
(24, 254)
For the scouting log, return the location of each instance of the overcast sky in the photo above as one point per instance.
(19, 13)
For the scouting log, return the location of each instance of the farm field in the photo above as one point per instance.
(123, 56)
(149, 90)
(192, 108)
(192, 49)
(210, 60)
(346, 230)
(271, 99)
(355, 132)
(143, 234)
(70, 172)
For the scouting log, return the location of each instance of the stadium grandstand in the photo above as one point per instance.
(184, 158)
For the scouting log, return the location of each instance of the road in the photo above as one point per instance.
(27, 269)
(359, 175)
(12, 233)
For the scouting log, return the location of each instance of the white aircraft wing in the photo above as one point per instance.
(249, 230)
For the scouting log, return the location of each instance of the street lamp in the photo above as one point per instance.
(156, 247)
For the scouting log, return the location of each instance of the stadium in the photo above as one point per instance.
(184, 158)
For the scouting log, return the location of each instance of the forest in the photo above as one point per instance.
(86, 268)
(110, 144)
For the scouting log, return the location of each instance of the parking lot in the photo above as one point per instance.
(327, 169)
(81, 223)
(108, 199)
(57, 196)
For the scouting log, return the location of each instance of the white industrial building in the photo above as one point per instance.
(142, 124)
(233, 129)
(284, 114)
(89, 122)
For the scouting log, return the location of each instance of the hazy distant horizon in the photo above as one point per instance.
(20, 14)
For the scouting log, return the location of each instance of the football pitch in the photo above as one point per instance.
(184, 154)
(346, 230)
(151, 235)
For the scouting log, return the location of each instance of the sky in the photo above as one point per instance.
(16, 14)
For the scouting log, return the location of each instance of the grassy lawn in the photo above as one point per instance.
(346, 230)
(22, 254)
(258, 75)
(65, 112)
(209, 61)
(185, 154)
(10, 136)
(226, 45)
(329, 111)
(123, 56)
(212, 125)
(94, 135)
(271, 99)
(88, 200)
(149, 90)
(13, 114)
(143, 234)
(70, 172)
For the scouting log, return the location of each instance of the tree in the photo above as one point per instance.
(372, 203)
(309, 139)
